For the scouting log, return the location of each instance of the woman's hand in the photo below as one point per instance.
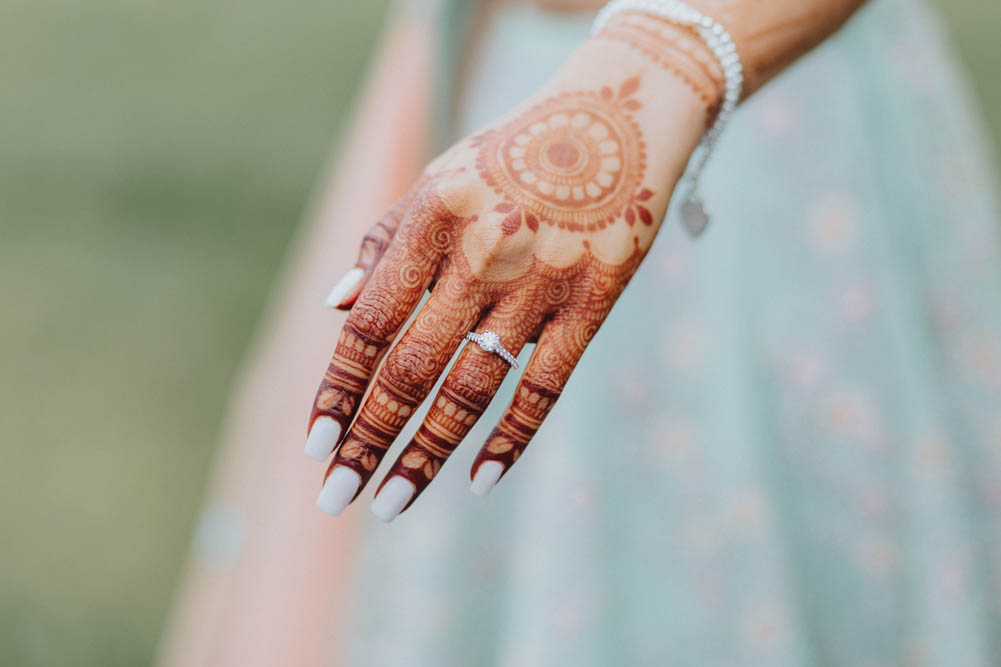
(530, 229)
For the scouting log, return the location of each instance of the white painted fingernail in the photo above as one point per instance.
(322, 438)
(340, 487)
(393, 497)
(486, 476)
(343, 286)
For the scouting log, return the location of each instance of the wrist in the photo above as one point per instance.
(675, 48)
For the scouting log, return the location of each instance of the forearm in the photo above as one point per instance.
(771, 34)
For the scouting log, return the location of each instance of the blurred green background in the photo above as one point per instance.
(155, 158)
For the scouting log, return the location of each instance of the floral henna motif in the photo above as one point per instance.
(575, 161)
(509, 439)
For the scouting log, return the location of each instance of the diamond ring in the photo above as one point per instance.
(490, 342)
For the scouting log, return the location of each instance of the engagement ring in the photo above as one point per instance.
(490, 342)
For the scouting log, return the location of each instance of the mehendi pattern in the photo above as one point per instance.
(575, 164)
(574, 161)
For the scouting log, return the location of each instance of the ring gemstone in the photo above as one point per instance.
(490, 343)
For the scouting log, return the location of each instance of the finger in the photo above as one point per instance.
(560, 346)
(464, 395)
(410, 371)
(374, 245)
(392, 293)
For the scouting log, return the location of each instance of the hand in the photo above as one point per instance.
(530, 229)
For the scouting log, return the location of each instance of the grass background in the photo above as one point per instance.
(154, 159)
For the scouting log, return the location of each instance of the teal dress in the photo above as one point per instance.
(784, 446)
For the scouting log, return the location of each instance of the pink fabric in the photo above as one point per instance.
(275, 599)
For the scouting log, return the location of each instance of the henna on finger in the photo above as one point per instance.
(373, 246)
(394, 290)
(550, 226)
(464, 395)
(410, 371)
(560, 346)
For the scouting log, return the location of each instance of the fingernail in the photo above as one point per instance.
(393, 497)
(322, 438)
(340, 487)
(486, 476)
(343, 286)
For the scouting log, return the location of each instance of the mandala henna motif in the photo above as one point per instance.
(575, 161)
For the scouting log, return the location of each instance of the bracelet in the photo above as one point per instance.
(693, 210)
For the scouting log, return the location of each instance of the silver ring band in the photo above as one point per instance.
(490, 342)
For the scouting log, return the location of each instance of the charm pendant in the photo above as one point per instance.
(694, 216)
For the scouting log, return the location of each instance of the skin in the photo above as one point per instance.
(532, 228)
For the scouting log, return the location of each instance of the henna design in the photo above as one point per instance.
(559, 349)
(394, 289)
(584, 293)
(547, 184)
(575, 161)
(375, 243)
(573, 141)
(674, 49)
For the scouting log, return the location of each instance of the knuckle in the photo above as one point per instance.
(411, 366)
(371, 250)
(476, 388)
(371, 315)
(463, 193)
(377, 239)
(458, 288)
